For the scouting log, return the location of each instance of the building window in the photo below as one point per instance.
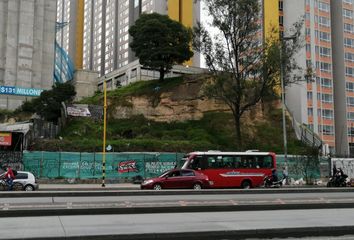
(325, 52)
(348, 28)
(349, 42)
(327, 130)
(350, 101)
(309, 95)
(350, 86)
(325, 67)
(310, 111)
(307, 32)
(347, 13)
(281, 5)
(349, 57)
(322, 6)
(307, 16)
(327, 113)
(324, 21)
(349, 72)
(351, 131)
(348, 1)
(308, 48)
(327, 98)
(324, 36)
(350, 116)
(136, 3)
(326, 82)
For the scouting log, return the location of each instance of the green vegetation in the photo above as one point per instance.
(48, 104)
(152, 89)
(160, 42)
(214, 131)
(245, 72)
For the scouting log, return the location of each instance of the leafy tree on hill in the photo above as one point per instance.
(160, 42)
(48, 104)
(245, 67)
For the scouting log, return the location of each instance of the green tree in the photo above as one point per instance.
(160, 42)
(307, 164)
(245, 67)
(48, 105)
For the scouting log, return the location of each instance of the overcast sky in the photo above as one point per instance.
(205, 19)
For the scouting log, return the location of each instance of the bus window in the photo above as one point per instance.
(228, 162)
(238, 163)
(197, 163)
(268, 162)
(212, 163)
(259, 162)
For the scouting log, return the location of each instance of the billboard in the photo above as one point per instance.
(11, 90)
(5, 139)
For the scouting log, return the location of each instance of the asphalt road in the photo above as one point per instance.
(176, 200)
(208, 225)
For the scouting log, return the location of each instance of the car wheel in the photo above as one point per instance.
(29, 188)
(197, 186)
(157, 187)
(246, 184)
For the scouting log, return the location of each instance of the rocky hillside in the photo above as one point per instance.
(181, 102)
(171, 116)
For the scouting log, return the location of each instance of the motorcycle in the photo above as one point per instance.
(270, 183)
(339, 180)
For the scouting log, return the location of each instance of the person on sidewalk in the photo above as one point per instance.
(285, 175)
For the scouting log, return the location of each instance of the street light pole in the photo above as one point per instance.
(104, 133)
(282, 40)
(283, 106)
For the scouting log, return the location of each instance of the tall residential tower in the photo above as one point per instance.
(104, 44)
(27, 33)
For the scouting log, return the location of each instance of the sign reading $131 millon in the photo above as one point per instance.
(10, 90)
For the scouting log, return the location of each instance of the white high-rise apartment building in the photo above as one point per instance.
(27, 34)
(105, 24)
(325, 103)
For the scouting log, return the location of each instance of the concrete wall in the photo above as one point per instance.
(27, 32)
(296, 94)
(85, 83)
(341, 130)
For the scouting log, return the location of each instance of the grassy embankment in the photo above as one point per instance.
(214, 131)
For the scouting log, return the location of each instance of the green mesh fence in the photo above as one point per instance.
(89, 165)
(131, 165)
(298, 165)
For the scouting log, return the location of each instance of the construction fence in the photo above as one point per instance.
(89, 165)
(127, 166)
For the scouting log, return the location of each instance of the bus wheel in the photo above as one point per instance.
(246, 184)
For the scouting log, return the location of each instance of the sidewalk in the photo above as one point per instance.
(88, 187)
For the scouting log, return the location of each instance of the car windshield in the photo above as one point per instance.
(165, 173)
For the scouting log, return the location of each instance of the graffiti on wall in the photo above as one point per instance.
(347, 164)
(13, 159)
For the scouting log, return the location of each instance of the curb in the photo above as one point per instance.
(135, 192)
(171, 209)
(219, 235)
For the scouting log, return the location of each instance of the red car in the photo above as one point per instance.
(177, 178)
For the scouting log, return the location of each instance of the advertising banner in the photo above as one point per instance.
(5, 139)
(11, 90)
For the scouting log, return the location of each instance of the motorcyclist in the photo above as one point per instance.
(340, 177)
(274, 175)
(334, 170)
(9, 177)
